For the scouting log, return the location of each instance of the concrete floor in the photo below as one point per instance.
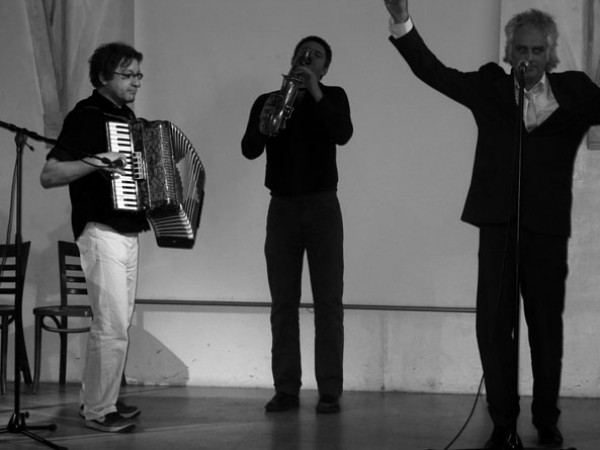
(232, 418)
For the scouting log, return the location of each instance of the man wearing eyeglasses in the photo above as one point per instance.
(107, 239)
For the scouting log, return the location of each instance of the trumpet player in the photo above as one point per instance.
(300, 127)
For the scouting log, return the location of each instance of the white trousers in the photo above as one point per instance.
(109, 260)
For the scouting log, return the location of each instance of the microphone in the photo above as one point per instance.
(522, 66)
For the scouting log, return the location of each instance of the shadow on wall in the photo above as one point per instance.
(149, 360)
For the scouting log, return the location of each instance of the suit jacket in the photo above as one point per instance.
(548, 152)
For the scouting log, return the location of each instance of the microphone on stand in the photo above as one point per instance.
(522, 67)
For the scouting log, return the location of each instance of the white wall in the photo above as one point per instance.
(402, 192)
(403, 179)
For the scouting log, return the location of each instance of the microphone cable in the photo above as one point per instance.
(513, 192)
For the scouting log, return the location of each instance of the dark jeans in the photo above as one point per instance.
(542, 272)
(295, 225)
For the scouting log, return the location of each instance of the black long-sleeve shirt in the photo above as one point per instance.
(301, 158)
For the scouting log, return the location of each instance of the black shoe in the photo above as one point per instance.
(328, 404)
(498, 438)
(282, 402)
(549, 436)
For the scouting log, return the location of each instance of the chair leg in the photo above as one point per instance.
(3, 354)
(23, 360)
(37, 355)
(62, 379)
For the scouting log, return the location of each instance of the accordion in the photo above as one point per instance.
(163, 177)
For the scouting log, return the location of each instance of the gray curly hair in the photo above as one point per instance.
(540, 20)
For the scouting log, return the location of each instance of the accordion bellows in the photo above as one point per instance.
(163, 176)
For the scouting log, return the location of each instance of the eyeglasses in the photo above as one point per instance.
(129, 76)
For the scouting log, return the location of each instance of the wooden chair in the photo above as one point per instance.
(55, 318)
(8, 287)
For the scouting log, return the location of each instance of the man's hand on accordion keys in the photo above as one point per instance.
(113, 162)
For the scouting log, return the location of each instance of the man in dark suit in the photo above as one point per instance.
(559, 108)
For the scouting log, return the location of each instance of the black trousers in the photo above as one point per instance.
(542, 279)
(310, 224)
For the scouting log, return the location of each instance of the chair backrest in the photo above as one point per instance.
(8, 270)
(72, 278)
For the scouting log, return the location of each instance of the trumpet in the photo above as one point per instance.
(281, 103)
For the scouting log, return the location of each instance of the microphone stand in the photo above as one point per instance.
(16, 423)
(513, 441)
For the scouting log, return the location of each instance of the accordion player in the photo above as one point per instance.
(163, 176)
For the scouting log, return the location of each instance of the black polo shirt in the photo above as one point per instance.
(84, 133)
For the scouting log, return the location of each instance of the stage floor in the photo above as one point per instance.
(233, 418)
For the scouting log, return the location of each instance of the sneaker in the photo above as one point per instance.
(125, 411)
(128, 412)
(112, 423)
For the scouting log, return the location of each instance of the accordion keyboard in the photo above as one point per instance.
(125, 190)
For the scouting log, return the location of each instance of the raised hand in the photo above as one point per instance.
(398, 9)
